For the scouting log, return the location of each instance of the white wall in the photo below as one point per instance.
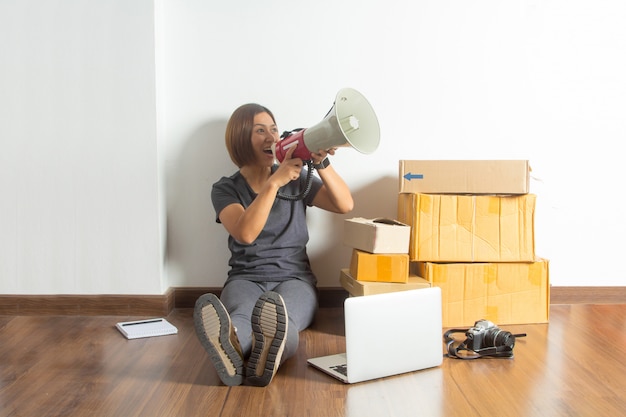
(87, 117)
(79, 209)
(521, 79)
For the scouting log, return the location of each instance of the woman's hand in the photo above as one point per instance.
(319, 156)
(288, 170)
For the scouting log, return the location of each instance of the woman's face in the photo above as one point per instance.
(264, 134)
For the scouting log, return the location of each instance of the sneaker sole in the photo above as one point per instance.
(213, 327)
(269, 327)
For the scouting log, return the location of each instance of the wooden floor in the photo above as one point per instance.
(82, 366)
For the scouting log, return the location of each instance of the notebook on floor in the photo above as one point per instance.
(146, 328)
(388, 334)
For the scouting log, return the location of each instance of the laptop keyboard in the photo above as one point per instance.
(342, 369)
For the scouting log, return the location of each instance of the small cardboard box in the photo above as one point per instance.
(503, 293)
(378, 235)
(465, 177)
(469, 228)
(379, 267)
(358, 288)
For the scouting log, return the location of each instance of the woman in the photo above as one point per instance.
(270, 294)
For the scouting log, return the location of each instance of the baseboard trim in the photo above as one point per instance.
(88, 305)
(334, 296)
(588, 295)
(185, 297)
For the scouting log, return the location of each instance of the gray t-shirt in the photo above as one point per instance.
(279, 252)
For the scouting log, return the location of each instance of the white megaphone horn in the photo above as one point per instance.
(351, 122)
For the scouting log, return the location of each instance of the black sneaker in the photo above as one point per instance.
(269, 330)
(218, 337)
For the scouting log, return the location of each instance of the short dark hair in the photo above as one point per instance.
(239, 132)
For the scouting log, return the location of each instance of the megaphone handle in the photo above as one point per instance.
(307, 188)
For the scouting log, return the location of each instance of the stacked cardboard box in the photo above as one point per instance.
(380, 258)
(472, 235)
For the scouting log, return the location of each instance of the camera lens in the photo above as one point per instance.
(497, 337)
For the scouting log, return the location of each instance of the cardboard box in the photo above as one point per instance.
(503, 293)
(358, 288)
(465, 177)
(379, 267)
(469, 228)
(376, 235)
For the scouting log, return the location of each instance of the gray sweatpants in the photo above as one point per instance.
(240, 296)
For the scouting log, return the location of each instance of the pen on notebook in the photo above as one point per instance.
(142, 322)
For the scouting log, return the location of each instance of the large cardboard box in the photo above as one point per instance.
(378, 235)
(359, 288)
(503, 293)
(379, 267)
(465, 176)
(469, 228)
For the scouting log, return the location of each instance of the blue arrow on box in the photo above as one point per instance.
(409, 176)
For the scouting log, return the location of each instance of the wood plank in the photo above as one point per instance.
(81, 365)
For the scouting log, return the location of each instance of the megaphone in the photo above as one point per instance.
(350, 122)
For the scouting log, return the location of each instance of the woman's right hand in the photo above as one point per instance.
(288, 170)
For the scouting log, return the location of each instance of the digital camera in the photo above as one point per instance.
(485, 334)
(484, 339)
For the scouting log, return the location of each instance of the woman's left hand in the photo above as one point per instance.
(319, 156)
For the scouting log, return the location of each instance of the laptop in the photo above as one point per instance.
(388, 334)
